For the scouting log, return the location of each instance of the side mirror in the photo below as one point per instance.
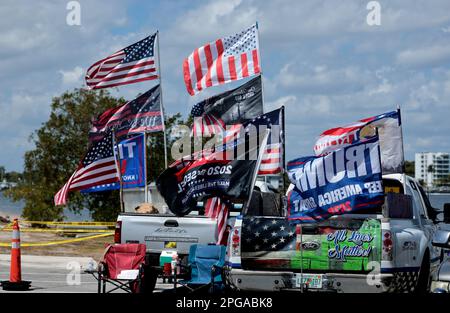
(441, 239)
(447, 213)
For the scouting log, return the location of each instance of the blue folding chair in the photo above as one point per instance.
(205, 265)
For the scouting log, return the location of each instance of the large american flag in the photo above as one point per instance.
(135, 63)
(227, 59)
(96, 168)
(217, 209)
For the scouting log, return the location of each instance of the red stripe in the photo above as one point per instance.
(104, 61)
(125, 68)
(232, 68)
(219, 69)
(244, 64)
(187, 77)
(267, 161)
(198, 70)
(267, 172)
(255, 61)
(209, 62)
(150, 70)
(127, 82)
(95, 167)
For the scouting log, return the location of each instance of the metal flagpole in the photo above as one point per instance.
(260, 66)
(162, 105)
(119, 167)
(262, 148)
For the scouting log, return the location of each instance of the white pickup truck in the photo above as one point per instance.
(166, 232)
(388, 249)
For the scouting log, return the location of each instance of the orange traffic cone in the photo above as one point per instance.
(15, 276)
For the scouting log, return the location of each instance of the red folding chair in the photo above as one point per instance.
(122, 265)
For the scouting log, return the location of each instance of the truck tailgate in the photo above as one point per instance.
(336, 245)
(161, 232)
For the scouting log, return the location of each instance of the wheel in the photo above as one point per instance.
(423, 281)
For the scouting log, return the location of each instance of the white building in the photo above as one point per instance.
(432, 166)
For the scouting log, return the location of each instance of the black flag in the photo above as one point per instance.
(210, 175)
(230, 107)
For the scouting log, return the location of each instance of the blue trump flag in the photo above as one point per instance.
(131, 153)
(344, 181)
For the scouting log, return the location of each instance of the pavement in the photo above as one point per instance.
(55, 274)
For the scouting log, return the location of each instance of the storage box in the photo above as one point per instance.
(166, 256)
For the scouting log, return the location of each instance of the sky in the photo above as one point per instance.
(320, 59)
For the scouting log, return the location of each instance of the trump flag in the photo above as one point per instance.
(131, 153)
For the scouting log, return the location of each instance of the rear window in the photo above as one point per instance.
(390, 186)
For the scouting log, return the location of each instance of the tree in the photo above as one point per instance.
(410, 168)
(59, 145)
(2, 173)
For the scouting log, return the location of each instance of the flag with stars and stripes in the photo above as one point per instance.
(217, 209)
(272, 159)
(212, 115)
(97, 167)
(224, 60)
(133, 64)
(268, 241)
(142, 114)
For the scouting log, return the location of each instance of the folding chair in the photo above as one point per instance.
(122, 265)
(205, 265)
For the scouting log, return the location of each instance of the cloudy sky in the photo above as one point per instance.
(319, 58)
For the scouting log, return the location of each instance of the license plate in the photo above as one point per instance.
(313, 281)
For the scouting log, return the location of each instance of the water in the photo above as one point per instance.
(439, 199)
(14, 209)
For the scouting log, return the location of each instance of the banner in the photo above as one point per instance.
(142, 114)
(230, 107)
(388, 126)
(132, 165)
(340, 182)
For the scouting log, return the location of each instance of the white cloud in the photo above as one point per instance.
(72, 76)
(433, 55)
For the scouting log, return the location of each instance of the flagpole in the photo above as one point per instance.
(262, 148)
(119, 166)
(162, 105)
(283, 146)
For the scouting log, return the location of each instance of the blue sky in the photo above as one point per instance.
(319, 58)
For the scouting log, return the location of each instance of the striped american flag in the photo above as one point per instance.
(224, 60)
(217, 209)
(96, 168)
(135, 63)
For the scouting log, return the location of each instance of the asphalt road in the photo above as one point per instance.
(50, 274)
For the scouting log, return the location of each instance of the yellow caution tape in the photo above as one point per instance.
(60, 242)
(58, 230)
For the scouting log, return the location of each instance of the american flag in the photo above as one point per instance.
(217, 209)
(142, 114)
(272, 159)
(135, 63)
(268, 241)
(96, 168)
(227, 59)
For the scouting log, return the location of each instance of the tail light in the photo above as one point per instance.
(388, 245)
(118, 232)
(236, 242)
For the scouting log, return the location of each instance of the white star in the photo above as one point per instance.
(274, 234)
(282, 228)
(282, 239)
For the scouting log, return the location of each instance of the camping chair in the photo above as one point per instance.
(205, 264)
(122, 266)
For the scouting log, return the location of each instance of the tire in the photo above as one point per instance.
(423, 281)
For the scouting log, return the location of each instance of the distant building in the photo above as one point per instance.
(432, 166)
